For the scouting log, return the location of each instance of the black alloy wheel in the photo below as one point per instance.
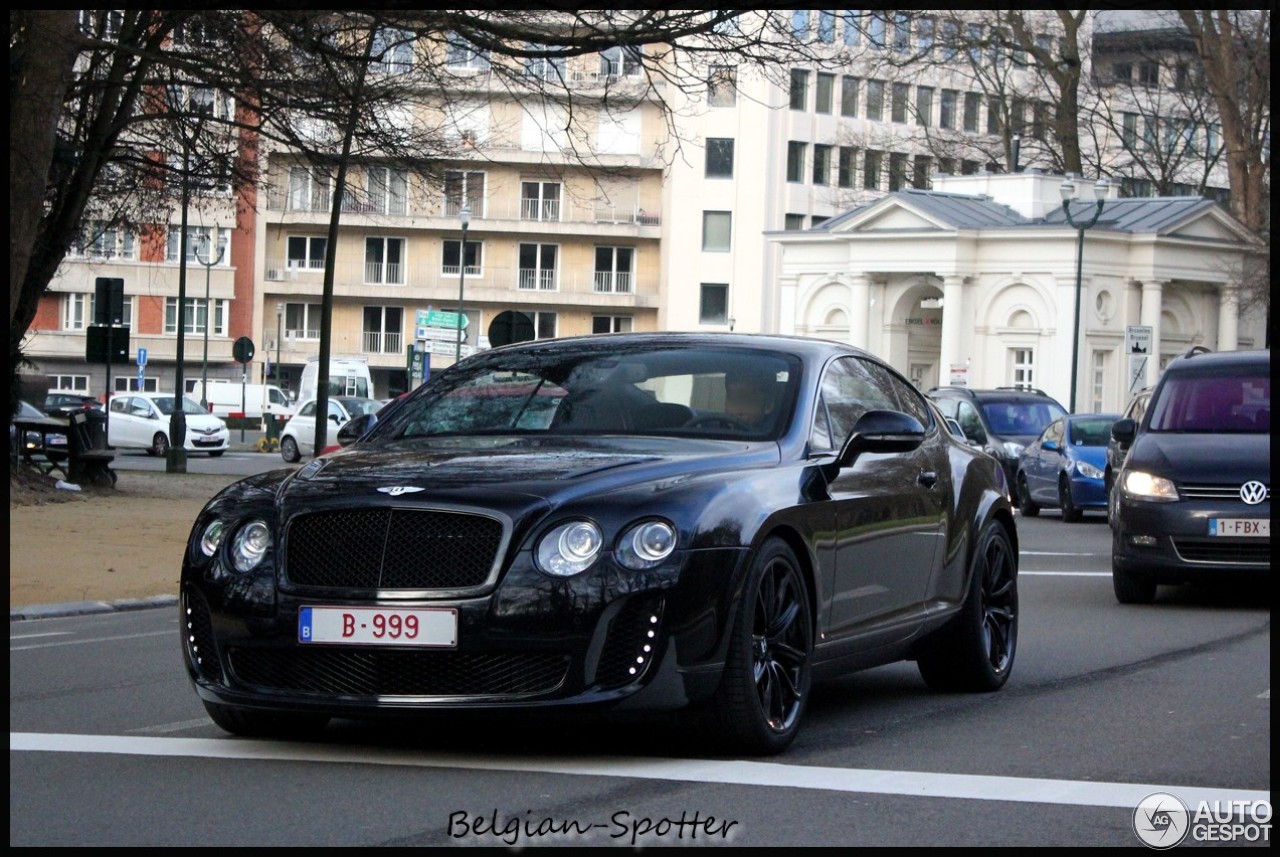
(1025, 504)
(1071, 513)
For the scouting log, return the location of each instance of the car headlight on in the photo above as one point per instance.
(646, 544)
(1011, 449)
(1146, 486)
(250, 545)
(569, 548)
(1088, 471)
(212, 537)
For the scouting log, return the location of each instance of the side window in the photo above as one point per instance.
(308, 410)
(120, 405)
(910, 401)
(820, 437)
(851, 388)
(947, 406)
(970, 423)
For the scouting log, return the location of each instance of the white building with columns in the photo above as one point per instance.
(975, 281)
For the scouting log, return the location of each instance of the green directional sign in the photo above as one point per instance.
(440, 318)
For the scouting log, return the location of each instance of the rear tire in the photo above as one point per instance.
(289, 450)
(974, 653)
(159, 445)
(1025, 505)
(1071, 513)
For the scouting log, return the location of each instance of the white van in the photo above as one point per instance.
(254, 400)
(348, 376)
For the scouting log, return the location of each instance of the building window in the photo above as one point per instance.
(309, 190)
(719, 158)
(947, 166)
(539, 200)
(384, 261)
(1149, 73)
(817, 220)
(538, 267)
(452, 261)
(897, 171)
(800, 23)
(307, 251)
(544, 325)
(871, 170)
(799, 89)
(198, 252)
(302, 321)
(849, 96)
(972, 106)
(994, 125)
(975, 43)
(544, 68)
(920, 172)
(898, 105)
(621, 61)
(1040, 116)
(69, 383)
(717, 229)
(947, 119)
(99, 239)
(795, 161)
(77, 311)
(852, 30)
(392, 52)
(924, 106)
(196, 317)
(821, 164)
(386, 191)
(722, 89)
(875, 29)
(846, 161)
(1098, 391)
(924, 35)
(383, 329)
(950, 40)
(1122, 72)
(875, 100)
(901, 32)
(825, 92)
(713, 307)
(1130, 132)
(793, 222)
(463, 188)
(463, 55)
(614, 269)
(826, 26)
(1023, 366)
(610, 324)
(968, 168)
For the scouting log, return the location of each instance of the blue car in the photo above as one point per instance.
(1065, 467)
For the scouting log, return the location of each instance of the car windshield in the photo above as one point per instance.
(1238, 403)
(668, 391)
(1091, 431)
(165, 405)
(1022, 417)
(359, 407)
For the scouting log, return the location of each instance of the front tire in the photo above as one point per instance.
(1071, 513)
(1025, 504)
(974, 653)
(1129, 588)
(264, 724)
(765, 688)
(289, 450)
(159, 445)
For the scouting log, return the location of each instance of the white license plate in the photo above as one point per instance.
(364, 626)
(1258, 528)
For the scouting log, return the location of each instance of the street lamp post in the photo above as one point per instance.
(208, 271)
(1068, 191)
(465, 216)
(279, 329)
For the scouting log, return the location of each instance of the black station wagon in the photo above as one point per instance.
(641, 522)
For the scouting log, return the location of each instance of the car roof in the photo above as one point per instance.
(994, 395)
(1196, 360)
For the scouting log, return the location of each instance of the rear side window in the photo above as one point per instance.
(1232, 402)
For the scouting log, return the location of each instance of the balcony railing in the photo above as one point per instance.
(380, 342)
(539, 209)
(386, 273)
(535, 278)
(611, 281)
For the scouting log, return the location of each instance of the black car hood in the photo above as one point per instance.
(1203, 458)
(463, 470)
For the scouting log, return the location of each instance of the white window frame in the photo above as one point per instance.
(308, 261)
(617, 323)
(463, 56)
(386, 272)
(69, 384)
(310, 330)
(100, 240)
(466, 180)
(196, 236)
(309, 189)
(544, 206)
(615, 280)
(195, 318)
(475, 270)
(387, 339)
(1022, 366)
(77, 311)
(540, 277)
(393, 52)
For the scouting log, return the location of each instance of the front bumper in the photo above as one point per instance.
(1171, 542)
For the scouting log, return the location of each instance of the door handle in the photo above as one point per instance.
(927, 478)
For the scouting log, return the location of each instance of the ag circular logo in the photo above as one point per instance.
(1161, 821)
(1253, 492)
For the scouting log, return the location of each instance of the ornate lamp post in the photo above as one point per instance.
(465, 216)
(208, 270)
(1068, 191)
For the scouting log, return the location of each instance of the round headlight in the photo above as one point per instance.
(251, 543)
(212, 537)
(569, 548)
(646, 544)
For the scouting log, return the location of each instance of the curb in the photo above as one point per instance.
(82, 608)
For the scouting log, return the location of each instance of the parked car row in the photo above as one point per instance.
(141, 421)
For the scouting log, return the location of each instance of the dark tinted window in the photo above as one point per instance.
(1226, 401)
(1020, 417)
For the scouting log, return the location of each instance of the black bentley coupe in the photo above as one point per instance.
(700, 523)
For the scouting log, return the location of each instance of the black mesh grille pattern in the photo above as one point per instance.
(1222, 552)
(1210, 491)
(631, 631)
(197, 631)
(391, 549)
(380, 672)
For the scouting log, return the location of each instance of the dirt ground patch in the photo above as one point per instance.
(101, 544)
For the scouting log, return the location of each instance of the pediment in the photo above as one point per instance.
(891, 214)
(1210, 224)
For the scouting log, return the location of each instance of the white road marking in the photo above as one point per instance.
(86, 640)
(1022, 573)
(34, 636)
(771, 774)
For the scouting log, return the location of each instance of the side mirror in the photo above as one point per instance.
(335, 418)
(355, 429)
(881, 431)
(1124, 431)
(1049, 446)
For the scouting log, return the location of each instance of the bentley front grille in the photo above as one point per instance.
(380, 548)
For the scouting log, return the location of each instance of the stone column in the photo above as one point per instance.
(859, 309)
(952, 343)
(1228, 317)
(1152, 304)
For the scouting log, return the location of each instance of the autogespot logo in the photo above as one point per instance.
(1161, 821)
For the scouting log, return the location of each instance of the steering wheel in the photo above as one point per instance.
(719, 421)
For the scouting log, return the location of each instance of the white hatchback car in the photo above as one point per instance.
(300, 431)
(141, 421)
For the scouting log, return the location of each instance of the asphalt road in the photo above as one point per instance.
(1107, 705)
